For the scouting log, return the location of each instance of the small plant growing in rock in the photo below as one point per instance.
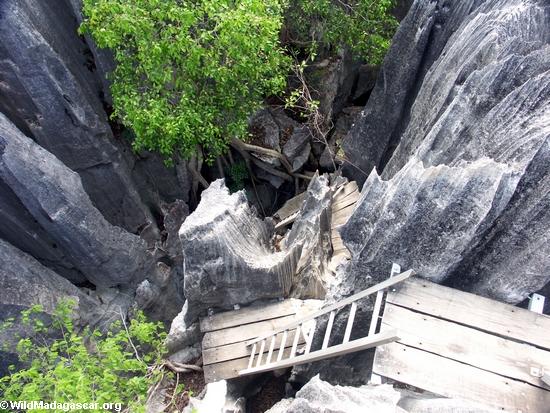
(115, 366)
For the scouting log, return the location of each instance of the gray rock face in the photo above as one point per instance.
(25, 282)
(21, 229)
(478, 90)
(424, 218)
(50, 91)
(311, 231)
(228, 257)
(298, 148)
(461, 134)
(54, 196)
(319, 396)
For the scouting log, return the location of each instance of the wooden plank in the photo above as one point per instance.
(246, 315)
(450, 378)
(251, 358)
(344, 212)
(365, 293)
(260, 353)
(333, 351)
(472, 310)
(344, 252)
(309, 340)
(288, 220)
(466, 345)
(345, 202)
(271, 348)
(291, 206)
(283, 344)
(228, 369)
(245, 332)
(338, 222)
(346, 190)
(338, 245)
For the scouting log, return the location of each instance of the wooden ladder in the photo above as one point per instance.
(302, 331)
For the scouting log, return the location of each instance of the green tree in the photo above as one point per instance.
(364, 26)
(189, 73)
(116, 366)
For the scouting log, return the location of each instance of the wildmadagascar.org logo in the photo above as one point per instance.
(12, 406)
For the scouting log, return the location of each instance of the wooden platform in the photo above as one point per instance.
(224, 349)
(464, 346)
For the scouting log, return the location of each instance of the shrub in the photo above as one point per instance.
(189, 73)
(237, 174)
(365, 26)
(112, 367)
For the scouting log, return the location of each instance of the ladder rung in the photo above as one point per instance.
(296, 339)
(309, 340)
(329, 329)
(271, 348)
(251, 360)
(282, 348)
(349, 325)
(376, 312)
(261, 353)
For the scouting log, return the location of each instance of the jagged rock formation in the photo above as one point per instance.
(311, 231)
(26, 282)
(55, 198)
(52, 89)
(478, 89)
(460, 138)
(318, 396)
(73, 194)
(230, 257)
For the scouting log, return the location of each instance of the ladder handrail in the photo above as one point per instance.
(339, 349)
(378, 287)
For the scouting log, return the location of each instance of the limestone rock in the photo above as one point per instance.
(231, 256)
(332, 79)
(54, 196)
(25, 282)
(21, 230)
(479, 89)
(298, 147)
(265, 128)
(51, 92)
(182, 335)
(319, 396)
(217, 399)
(418, 42)
(228, 257)
(311, 230)
(343, 124)
(423, 218)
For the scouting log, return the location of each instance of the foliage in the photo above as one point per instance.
(365, 26)
(237, 176)
(87, 367)
(189, 73)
